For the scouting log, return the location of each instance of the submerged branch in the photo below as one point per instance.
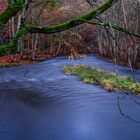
(124, 114)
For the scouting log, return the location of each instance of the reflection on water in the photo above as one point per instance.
(31, 98)
(44, 104)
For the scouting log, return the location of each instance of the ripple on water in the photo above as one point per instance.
(42, 103)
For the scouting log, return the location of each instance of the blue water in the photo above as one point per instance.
(39, 102)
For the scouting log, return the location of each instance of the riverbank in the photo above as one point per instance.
(12, 60)
(120, 62)
(16, 60)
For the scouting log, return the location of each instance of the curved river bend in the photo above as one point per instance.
(38, 102)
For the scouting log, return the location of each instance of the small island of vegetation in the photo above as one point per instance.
(107, 80)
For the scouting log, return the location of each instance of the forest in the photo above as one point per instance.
(69, 69)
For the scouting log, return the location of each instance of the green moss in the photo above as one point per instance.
(66, 25)
(6, 48)
(15, 7)
(11, 11)
(108, 81)
(12, 46)
(80, 20)
(101, 9)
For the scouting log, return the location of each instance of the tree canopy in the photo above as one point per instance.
(20, 6)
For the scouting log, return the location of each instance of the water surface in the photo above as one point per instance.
(39, 102)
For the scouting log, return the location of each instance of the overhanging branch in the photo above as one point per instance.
(11, 11)
(67, 25)
(116, 27)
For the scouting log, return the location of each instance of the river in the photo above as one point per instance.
(39, 102)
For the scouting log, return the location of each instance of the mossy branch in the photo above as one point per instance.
(12, 46)
(17, 6)
(116, 27)
(67, 25)
(11, 11)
